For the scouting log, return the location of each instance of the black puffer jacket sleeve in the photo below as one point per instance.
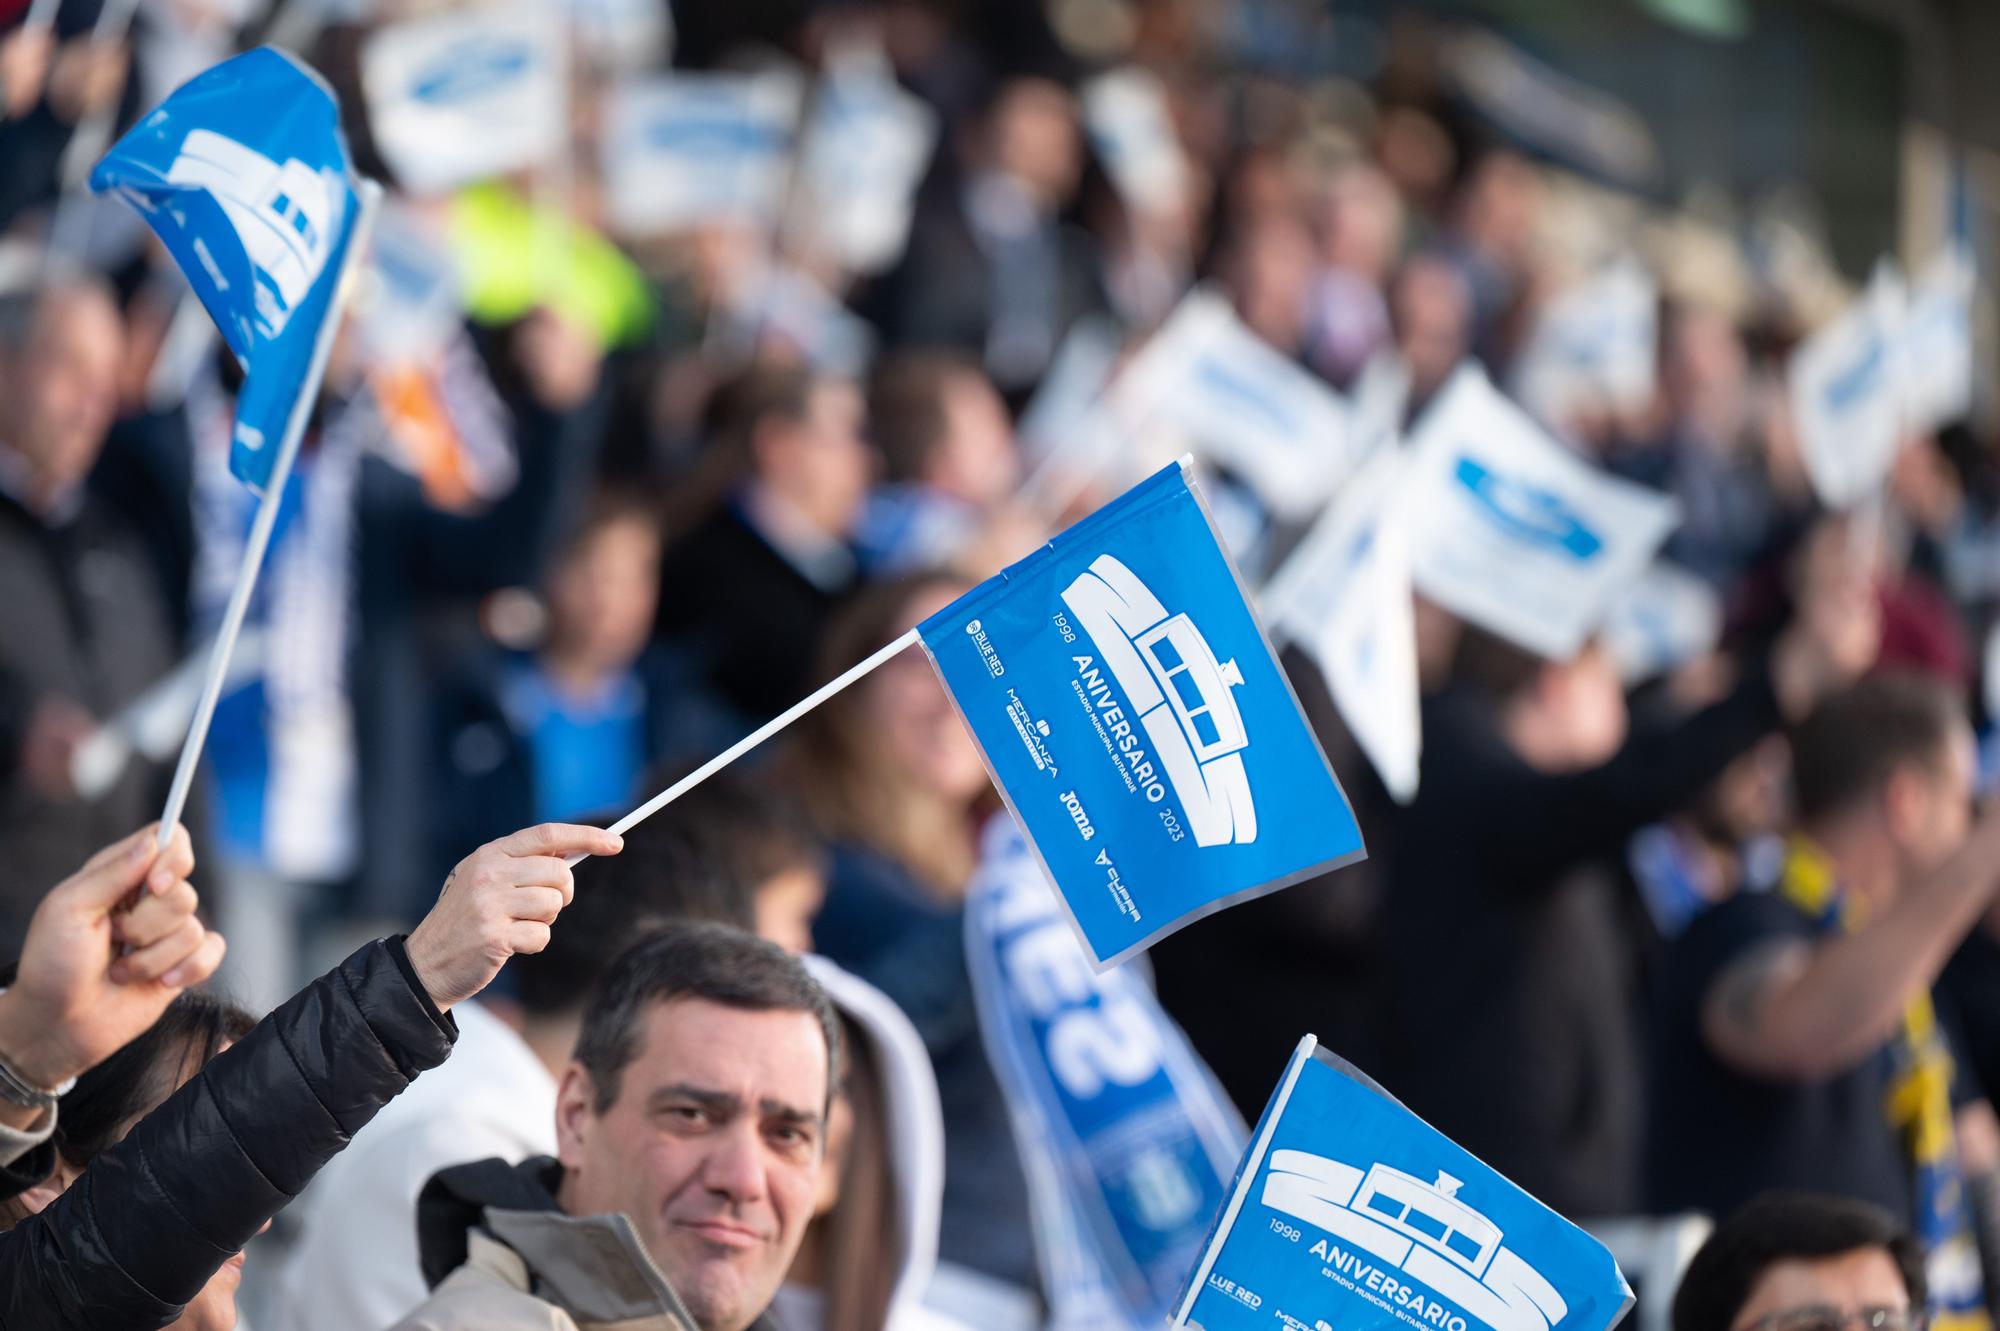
(152, 1218)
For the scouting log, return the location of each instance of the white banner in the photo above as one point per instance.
(1845, 400)
(1125, 114)
(1343, 596)
(1934, 365)
(1241, 406)
(686, 149)
(466, 96)
(1513, 532)
(408, 306)
(866, 148)
(1593, 348)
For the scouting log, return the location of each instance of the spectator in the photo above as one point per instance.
(1431, 308)
(992, 270)
(147, 1224)
(1796, 1044)
(749, 590)
(896, 787)
(83, 630)
(1726, 840)
(1802, 1260)
(355, 1262)
(1517, 1035)
(869, 1254)
(692, 1125)
(109, 1099)
(764, 846)
(571, 730)
(951, 465)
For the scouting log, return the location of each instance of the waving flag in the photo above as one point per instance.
(1845, 401)
(459, 97)
(1242, 406)
(1514, 532)
(1136, 722)
(244, 175)
(1350, 1211)
(683, 150)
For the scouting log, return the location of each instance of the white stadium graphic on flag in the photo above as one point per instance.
(287, 217)
(1182, 695)
(1421, 1228)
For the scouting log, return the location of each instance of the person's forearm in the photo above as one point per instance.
(1852, 995)
(36, 1057)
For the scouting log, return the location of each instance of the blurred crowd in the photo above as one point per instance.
(1647, 945)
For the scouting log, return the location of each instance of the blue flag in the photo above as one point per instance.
(1137, 724)
(244, 175)
(1349, 1211)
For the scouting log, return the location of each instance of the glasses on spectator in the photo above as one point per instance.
(1823, 1317)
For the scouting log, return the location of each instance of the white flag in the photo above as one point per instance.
(1125, 114)
(1666, 618)
(866, 148)
(1512, 531)
(408, 306)
(1241, 406)
(1845, 401)
(686, 149)
(1934, 353)
(461, 97)
(1343, 596)
(1594, 347)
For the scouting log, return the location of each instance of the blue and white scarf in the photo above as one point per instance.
(1127, 1142)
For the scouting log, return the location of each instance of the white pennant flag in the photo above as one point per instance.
(1593, 348)
(1845, 400)
(1241, 406)
(1125, 114)
(1512, 531)
(461, 97)
(1934, 365)
(1666, 618)
(1343, 596)
(687, 149)
(867, 145)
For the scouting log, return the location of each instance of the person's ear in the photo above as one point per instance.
(1903, 797)
(576, 1112)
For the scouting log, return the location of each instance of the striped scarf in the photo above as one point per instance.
(1918, 1109)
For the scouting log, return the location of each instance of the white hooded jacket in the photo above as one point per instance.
(915, 1135)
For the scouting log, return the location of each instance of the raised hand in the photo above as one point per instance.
(108, 948)
(500, 900)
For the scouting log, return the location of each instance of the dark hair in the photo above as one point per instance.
(1846, 751)
(664, 874)
(906, 407)
(712, 962)
(749, 828)
(605, 509)
(1493, 667)
(1777, 1226)
(107, 1100)
(764, 391)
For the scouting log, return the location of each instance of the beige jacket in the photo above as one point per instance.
(545, 1271)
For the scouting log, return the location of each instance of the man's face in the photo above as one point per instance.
(1850, 1283)
(59, 393)
(712, 1148)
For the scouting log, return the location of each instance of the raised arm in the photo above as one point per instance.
(1799, 1010)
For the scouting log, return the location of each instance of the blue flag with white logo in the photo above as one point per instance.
(1137, 723)
(243, 174)
(1349, 1211)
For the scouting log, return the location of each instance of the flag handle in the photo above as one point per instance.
(756, 737)
(266, 521)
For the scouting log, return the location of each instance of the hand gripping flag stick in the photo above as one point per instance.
(756, 737)
(266, 519)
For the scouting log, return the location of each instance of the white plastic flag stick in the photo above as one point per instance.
(266, 520)
(756, 737)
